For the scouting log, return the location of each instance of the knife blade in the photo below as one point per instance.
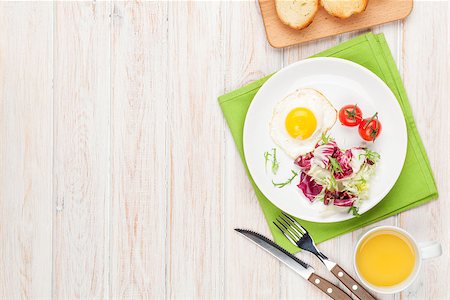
(296, 264)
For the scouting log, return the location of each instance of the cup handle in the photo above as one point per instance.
(430, 249)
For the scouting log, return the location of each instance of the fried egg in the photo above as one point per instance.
(300, 119)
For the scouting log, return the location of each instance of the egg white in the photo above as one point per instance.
(311, 99)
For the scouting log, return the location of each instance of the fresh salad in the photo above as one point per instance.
(337, 177)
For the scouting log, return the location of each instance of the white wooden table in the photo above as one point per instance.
(118, 175)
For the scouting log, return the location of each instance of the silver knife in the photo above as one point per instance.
(299, 266)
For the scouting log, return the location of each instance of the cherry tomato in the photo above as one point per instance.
(370, 128)
(350, 115)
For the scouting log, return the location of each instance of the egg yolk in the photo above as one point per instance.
(300, 123)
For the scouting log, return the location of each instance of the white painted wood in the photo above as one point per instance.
(26, 150)
(426, 75)
(250, 273)
(194, 261)
(81, 149)
(140, 165)
(131, 147)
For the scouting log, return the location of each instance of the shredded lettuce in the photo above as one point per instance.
(337, 177)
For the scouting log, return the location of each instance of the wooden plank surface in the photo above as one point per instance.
(26, 115)
(426, 74)
(139, 151)
(119, 178)
(81, 181)
(195, 146)
(249, 272)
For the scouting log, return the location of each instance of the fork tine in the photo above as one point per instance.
(300, 228)
(296, 224)
(298, 232)
(284, 233)
(288, 228)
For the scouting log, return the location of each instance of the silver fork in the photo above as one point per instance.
(300, 237)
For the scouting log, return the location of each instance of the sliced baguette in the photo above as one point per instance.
(344, 8)
(297, 14)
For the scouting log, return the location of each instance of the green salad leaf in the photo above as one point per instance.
(335, 166)
(272, 157)
(326, 139)
(370, 155)
(354, 210)
(283, 184)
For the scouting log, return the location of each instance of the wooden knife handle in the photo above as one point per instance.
(354, 286)
(328, 288)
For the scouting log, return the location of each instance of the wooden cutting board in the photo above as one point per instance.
(377, 12)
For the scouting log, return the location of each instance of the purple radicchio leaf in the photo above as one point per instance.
(309, 187)
(323, 152)
(304, 161)
(339, 198)
(343, 158)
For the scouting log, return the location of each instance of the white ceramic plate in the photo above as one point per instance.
(342, 82)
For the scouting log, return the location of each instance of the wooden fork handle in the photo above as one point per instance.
(328, 288)
(354, 286)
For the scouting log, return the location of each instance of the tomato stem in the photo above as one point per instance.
(375, 116)
(352, 113)
(373, 131)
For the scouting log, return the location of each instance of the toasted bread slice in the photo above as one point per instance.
(344, 8)
(297, 14)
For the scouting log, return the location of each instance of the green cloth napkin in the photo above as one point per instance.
(415, 185)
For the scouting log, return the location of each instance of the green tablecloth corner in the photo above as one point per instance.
(414, 187)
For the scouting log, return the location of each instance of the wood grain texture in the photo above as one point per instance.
(119, 178)
(81, 149)
(140, 166)
(324, 25)
(426, 76)
(195, 213)
(249, 272)
(25, 150)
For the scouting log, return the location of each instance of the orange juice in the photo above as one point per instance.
(385, 258)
